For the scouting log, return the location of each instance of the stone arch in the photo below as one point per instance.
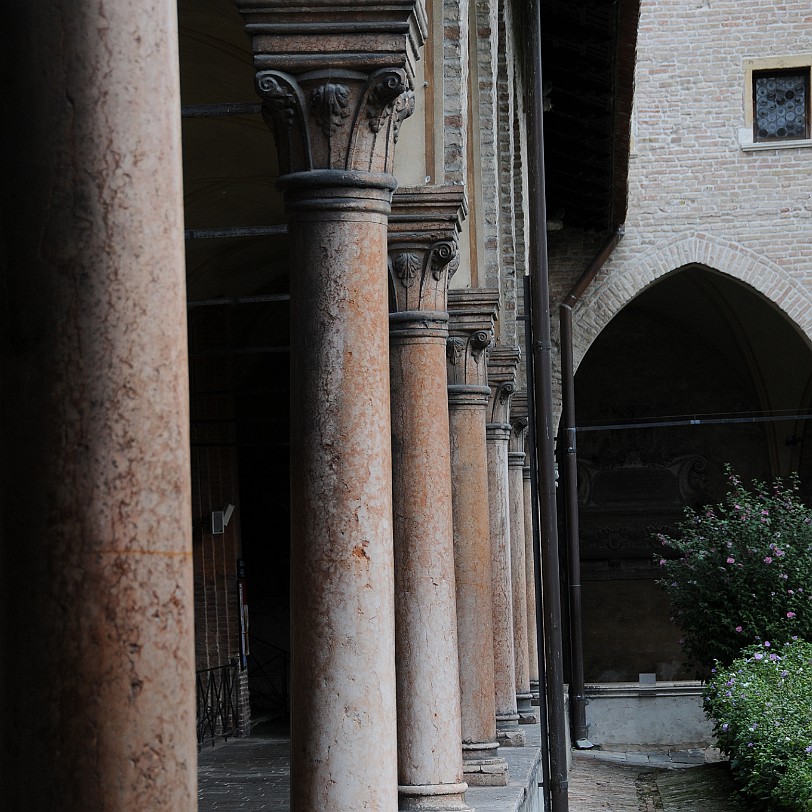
(622, 283)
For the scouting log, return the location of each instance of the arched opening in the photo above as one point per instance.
(697, 345)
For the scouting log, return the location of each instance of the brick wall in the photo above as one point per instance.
(694, 194)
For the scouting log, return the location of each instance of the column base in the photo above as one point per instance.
(481, 767)
(524, 705)
(432, 797)
(534, 691)
(508, 733)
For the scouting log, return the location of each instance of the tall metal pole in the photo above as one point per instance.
(534, 503)
(545, 434)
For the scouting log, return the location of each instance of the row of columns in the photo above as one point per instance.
(401, 539)
(97, 587)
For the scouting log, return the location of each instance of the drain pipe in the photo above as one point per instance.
(577, 697)
(543, 424)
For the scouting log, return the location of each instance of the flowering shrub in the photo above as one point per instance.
(740, 572)
(762, 707)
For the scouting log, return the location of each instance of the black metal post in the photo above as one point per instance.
(545, 435)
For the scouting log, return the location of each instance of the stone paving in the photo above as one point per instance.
(253, 774)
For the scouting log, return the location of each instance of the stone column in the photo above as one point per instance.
(471, 331)
(335, 88)
(502, 364)
(96, 629)
(518, 564)
(423, 253)
(532, 630)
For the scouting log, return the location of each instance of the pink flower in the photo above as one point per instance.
(768, 560)
(790, 615)
(739, 629)
(662, 562)
(731, 560)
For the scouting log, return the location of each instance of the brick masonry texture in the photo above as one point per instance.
(694, 195)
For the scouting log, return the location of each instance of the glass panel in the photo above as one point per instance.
(780, 102)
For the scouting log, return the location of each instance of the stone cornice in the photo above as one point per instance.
(363, 35)
(472, 314)
(502, 363)
(336, 79)
(423, 245)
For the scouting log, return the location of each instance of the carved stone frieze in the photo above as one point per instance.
(336, 80)
(423, 245)
(503, 363)
(472, 315)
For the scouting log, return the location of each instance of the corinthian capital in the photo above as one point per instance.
(336, 79)
(472, 314)
(503, 363)
(423, 245)
(518, 421)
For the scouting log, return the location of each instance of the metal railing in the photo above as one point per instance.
(217, 703)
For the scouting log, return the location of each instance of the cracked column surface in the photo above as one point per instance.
(502, 366)
(335, 91)
(518, 564)
(423, 253)
(96, 635)
(472, 315)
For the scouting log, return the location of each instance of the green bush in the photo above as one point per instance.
(762, 707)
(740, 572)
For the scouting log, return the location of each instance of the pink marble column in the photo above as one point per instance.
(96, 635)
(336, 91)
(423, 252)
(532, 631)
(471, 331)
(518, 565)
(502, 364)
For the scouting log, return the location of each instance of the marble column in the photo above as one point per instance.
(335, 90)
(472, 315)
(518, 563)
(423, 253)
(532, 630)
(96, 629)
(502, 365)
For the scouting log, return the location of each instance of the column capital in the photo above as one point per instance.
(424, 229)
(503, 363)
(472, 313)
(518, 422)
(336, 79)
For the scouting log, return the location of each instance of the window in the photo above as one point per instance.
(776, 103)
(780, 105)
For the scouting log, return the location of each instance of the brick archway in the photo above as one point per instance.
(623, 281)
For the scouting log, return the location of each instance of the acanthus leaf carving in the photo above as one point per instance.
(454, 349)
(330, 105)
(279, 97)
(406, 265)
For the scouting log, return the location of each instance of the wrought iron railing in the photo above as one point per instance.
(217, 703)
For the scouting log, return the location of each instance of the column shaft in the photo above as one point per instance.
(502, 362)
(343, 681)
(96, 636)
(472, 315)
(422, 245)
(532, 631)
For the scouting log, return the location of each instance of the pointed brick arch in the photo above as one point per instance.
(624, 280)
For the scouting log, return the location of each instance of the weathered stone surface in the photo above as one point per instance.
(97, 662)
(518, 564)
(502, 363)
(422, 245)
(471, 331)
